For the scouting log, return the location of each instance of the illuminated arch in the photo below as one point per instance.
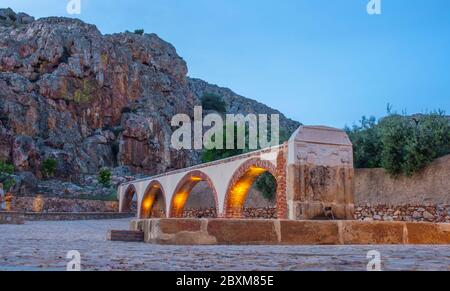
(243, 179)
(184, 188)
(127, 200)
(153, 195)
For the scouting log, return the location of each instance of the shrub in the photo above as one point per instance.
(139, 31)
(213, 102)
(6, 168)
(430, 139)
(48, 167)
(366, 143)
(6, 172)
(104, 177)
(267, 185)
(401, 144)
(395, 131)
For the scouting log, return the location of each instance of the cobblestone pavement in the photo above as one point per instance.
(44, 245)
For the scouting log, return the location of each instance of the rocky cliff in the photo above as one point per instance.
(238, 104)
(89, 100)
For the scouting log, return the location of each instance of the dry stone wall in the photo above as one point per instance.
(57, 205)
(439, 213)
(252, 213)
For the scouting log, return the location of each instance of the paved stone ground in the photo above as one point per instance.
(44, 245)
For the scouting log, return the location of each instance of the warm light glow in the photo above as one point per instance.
(257, 170)
(181, 197)
(8, 201)
(179, 200)
(38, 204)
(149, 201)
(239, 191)
(147, 204)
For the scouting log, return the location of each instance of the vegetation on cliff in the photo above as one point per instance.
(104, 177)
(6, 172)
(214, 102)
(48, 167)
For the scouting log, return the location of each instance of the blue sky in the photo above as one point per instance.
(318, 61)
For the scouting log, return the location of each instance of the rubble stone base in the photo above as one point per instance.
(410, 213)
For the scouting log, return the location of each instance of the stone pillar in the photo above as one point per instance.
(282, 210)
(320, 174)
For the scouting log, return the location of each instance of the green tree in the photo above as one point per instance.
(430, 139)
(401, 144)
(104, 177)
(139, 31)
(366, 142)
(267, 185)
(214, 102)
(48, 167)
(395, 131)
(6, 172)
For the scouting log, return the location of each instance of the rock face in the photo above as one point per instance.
(9, 18)
(90, 100)
(237, 104)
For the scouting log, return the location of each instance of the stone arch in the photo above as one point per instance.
(154, 195)
(127, 199)
(184, 188)
(243, 179)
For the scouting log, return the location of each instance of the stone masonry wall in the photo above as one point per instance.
(253, 213)
(261, 213)
(51, 205)
(440, 213)
(200, 213)
(367, 213)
